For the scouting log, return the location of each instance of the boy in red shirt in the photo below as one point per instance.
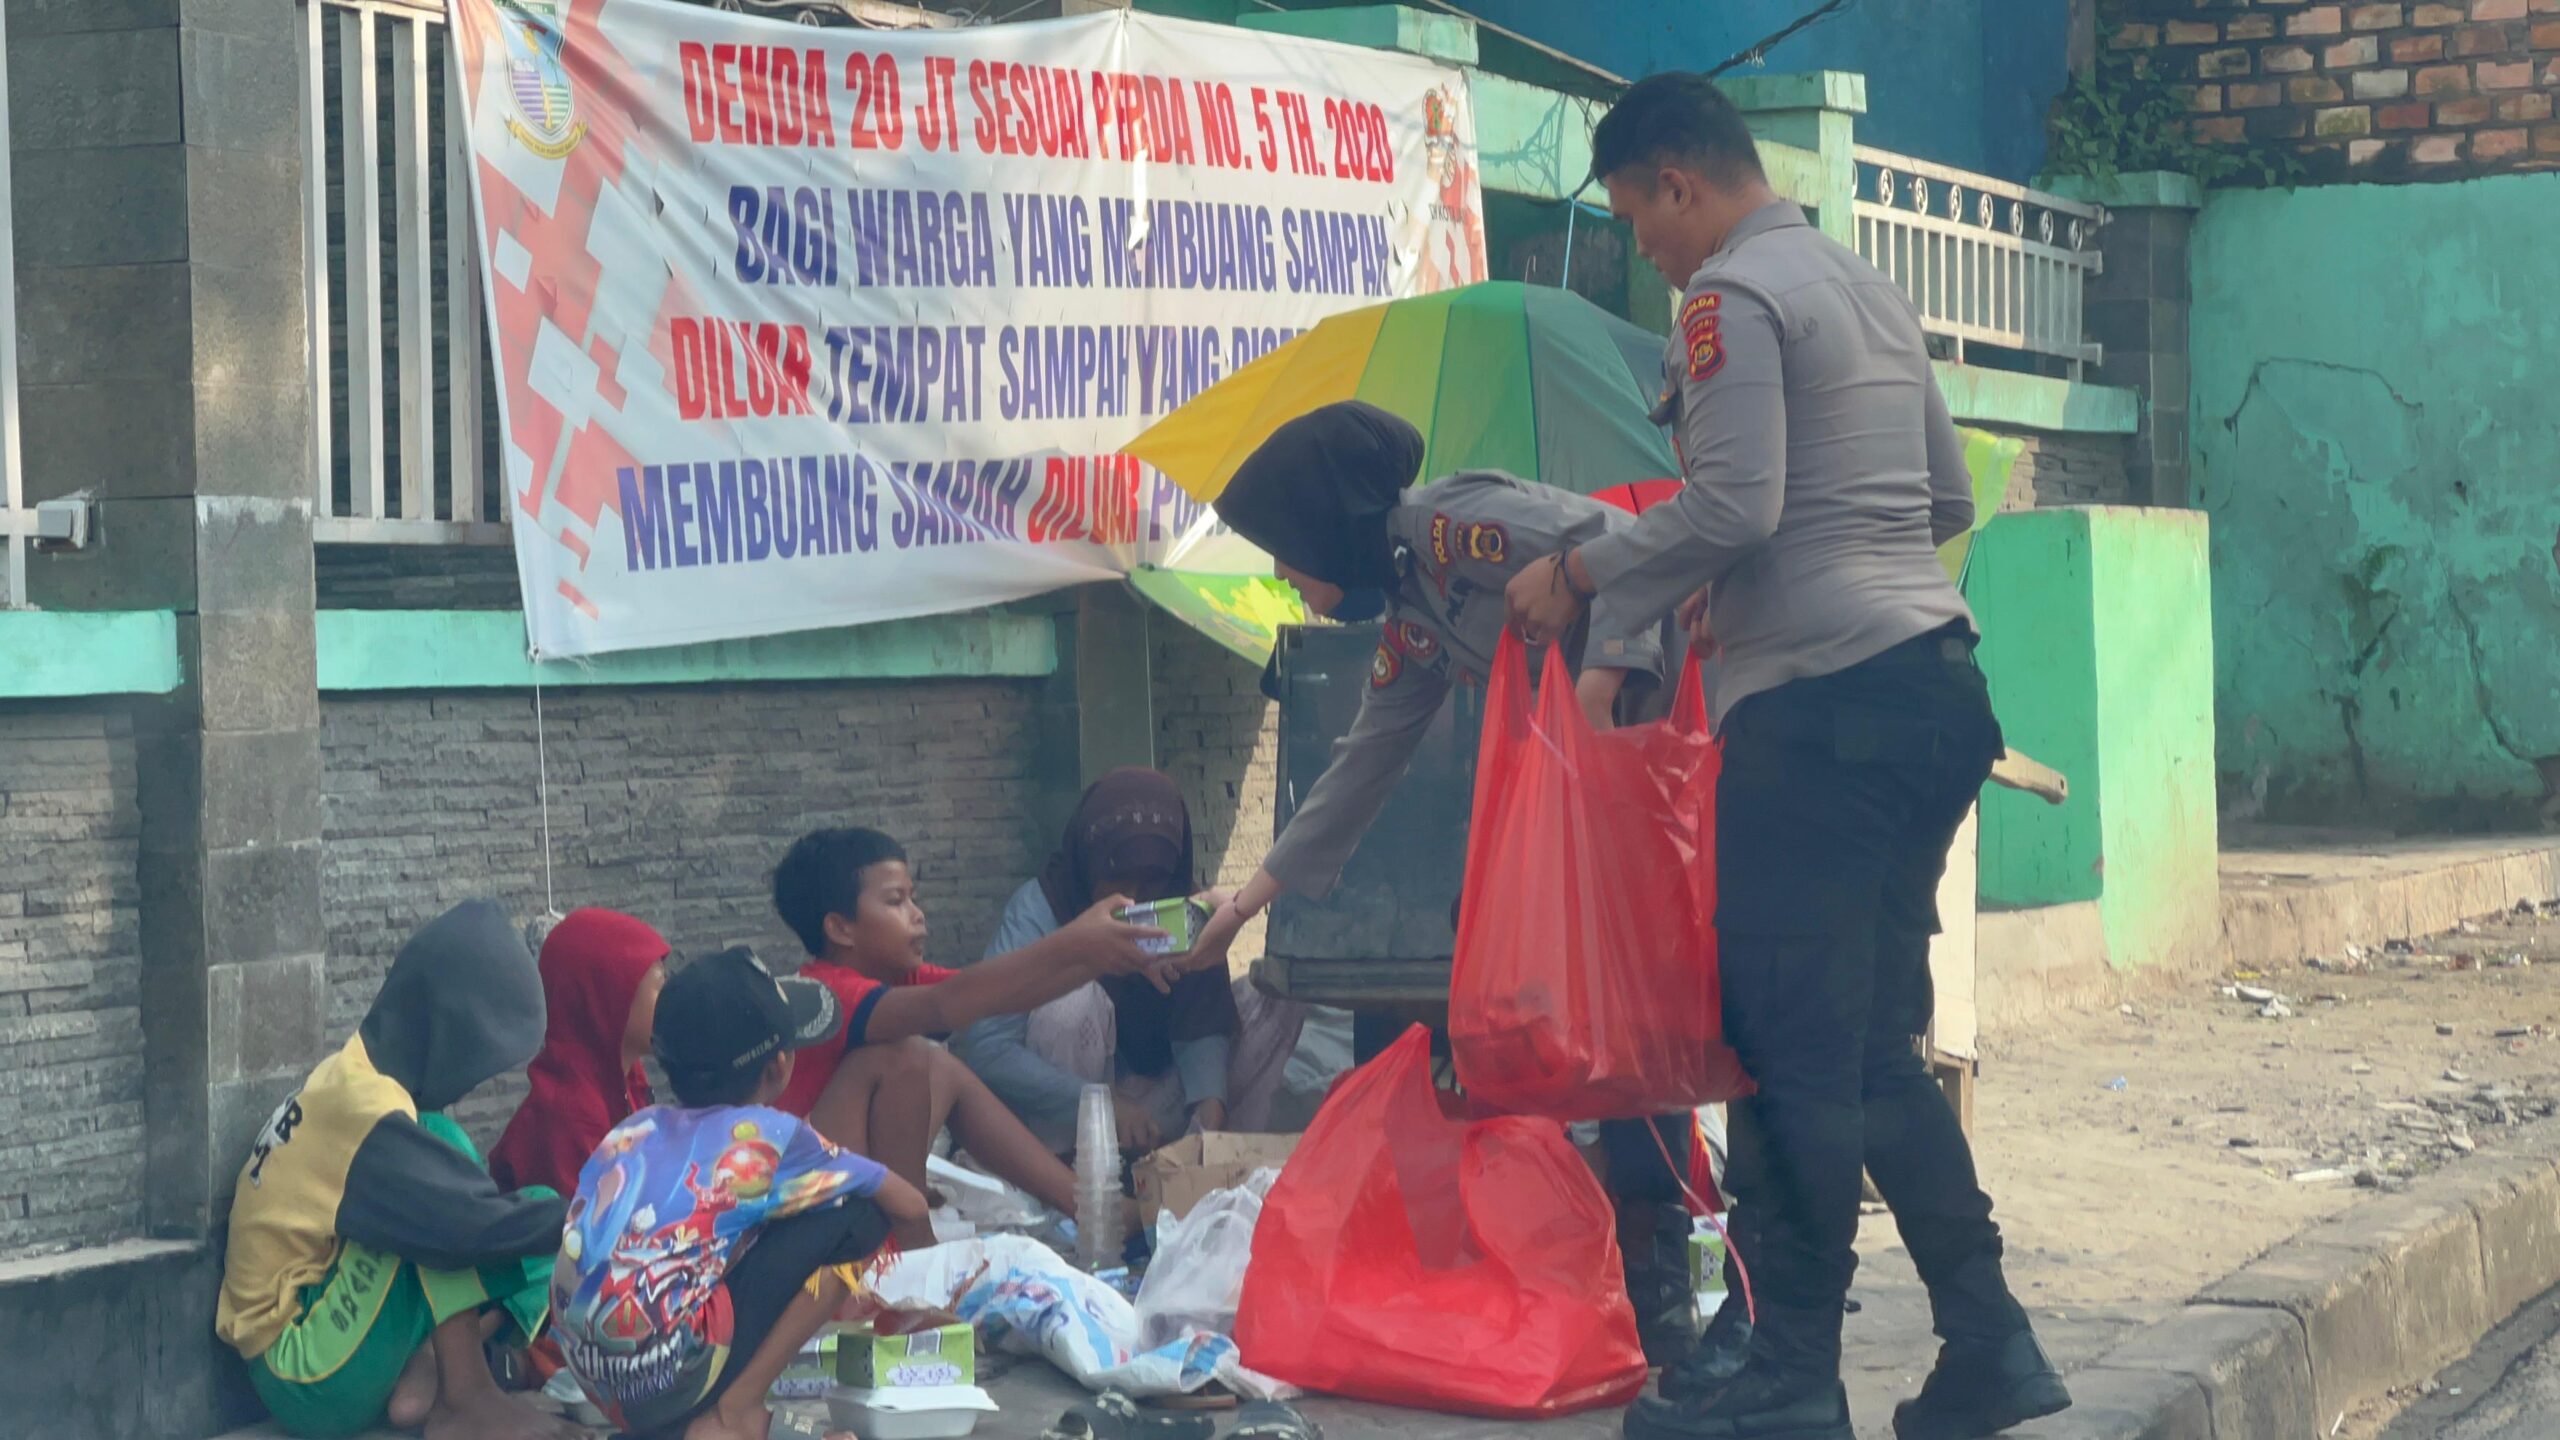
(883, 1089)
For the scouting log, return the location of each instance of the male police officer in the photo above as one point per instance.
(1822, 473)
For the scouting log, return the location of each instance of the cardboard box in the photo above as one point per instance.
(939, 1354)
(1175, 1177)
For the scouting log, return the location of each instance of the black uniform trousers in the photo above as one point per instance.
(1839, 799)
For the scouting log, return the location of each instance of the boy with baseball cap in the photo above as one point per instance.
(675, 1325)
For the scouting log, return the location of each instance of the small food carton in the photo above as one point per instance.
(1181, 921)
(1176, 1176)
(905, 1349)
(1706, 1271)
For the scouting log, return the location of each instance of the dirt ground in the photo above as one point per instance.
(2141, 1153)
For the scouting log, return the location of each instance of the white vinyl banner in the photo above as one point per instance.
(800, 328)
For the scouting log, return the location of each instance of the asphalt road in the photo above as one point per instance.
(2507, 1389)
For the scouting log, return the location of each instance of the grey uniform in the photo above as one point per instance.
(1823, 468)
(1461, 540)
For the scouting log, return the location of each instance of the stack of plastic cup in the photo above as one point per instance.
(1097, 1179)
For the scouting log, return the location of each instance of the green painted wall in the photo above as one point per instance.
(2032, 584)
(2159, 839)
(50, 653)
(2097, 638)
(2377, 437)
(485, 649)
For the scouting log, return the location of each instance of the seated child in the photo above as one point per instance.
(371, 1258)
(705, 1240)
(881, 1089)
(1209, 1055)
(601, 973)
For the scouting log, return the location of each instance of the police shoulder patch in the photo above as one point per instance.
(1384, 667)
(1699, 320)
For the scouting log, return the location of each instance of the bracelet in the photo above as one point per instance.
(1564, 571)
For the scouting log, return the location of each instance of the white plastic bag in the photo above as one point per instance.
(1025, 1299)
(1197, 1275)
(979, 1200)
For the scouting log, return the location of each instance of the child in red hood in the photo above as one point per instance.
(601, 974)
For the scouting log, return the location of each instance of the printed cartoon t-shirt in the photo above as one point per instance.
(666, 1204)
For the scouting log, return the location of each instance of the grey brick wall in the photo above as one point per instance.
(671, 803)
(1220, 740)
(2066, 469)
(416, 577)
(71, 1138)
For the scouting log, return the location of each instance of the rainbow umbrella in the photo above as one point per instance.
(1527, 379)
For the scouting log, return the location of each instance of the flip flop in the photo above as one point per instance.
(1114, 1416)
(1271, 1420)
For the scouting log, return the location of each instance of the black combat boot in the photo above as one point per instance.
(1653, 1241)
(1982, 1387)
(1718, 1355)
(1767, 1401)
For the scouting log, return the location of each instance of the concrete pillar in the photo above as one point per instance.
(159, 236)
(1816, 111)
(2137, 308)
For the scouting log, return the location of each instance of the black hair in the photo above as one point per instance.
(822, 876)
(1681, 119)
(703, 1090)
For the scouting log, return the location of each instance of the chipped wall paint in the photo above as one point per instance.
(2376, 412)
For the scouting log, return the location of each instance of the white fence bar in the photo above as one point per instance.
(388, 415)
(315, 242)
(462, 307)
(360, 101)
(412, 227)
(14, 517)
(1985, 261)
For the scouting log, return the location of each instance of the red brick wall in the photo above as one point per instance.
(2409, 90)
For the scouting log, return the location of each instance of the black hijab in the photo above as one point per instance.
(1317, 493)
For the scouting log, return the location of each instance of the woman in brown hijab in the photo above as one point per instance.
(1207, 1056)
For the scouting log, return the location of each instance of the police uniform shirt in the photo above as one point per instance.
(1823, 468)
(1459, 542)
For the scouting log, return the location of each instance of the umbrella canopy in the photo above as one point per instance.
(1527, 379)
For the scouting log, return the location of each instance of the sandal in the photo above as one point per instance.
(1114, 1416)
(1271, 1420)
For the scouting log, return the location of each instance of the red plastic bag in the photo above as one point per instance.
(1417, 1258)
(1585, 981)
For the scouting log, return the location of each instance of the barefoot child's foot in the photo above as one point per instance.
(497, 1417)
(727, 1422)
(414, 1397)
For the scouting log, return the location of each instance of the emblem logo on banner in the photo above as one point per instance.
(546, 107)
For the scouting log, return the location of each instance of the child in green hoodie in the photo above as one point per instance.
(372, 1258)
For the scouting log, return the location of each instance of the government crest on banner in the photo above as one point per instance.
(546, 120)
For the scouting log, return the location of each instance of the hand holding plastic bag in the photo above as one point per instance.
(1585, 981)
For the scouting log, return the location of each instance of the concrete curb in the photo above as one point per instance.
(2381, 1296)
